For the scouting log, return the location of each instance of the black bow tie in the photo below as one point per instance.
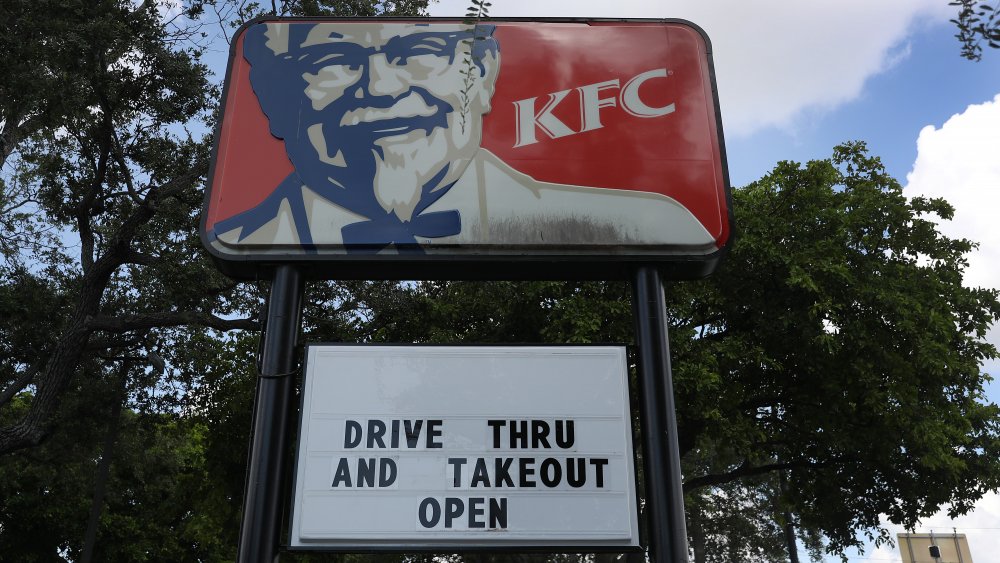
(369, 237)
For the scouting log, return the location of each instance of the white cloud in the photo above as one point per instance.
(777, 58)
(774, 58)
(959, 163)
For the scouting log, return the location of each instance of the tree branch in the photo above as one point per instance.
(119, 154)
(14, 132)
(97, 344)
(83, 210)
(136, 257)
(747, 470)
(62, 362)
(121, 240)
(169, 319)
(21, 383)
(14, 206)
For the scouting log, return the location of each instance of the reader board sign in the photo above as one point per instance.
(356, 143)
(438, 447)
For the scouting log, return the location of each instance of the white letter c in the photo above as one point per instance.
(630, 95)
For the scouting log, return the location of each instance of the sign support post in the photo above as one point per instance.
(661, 451)
(262, 505)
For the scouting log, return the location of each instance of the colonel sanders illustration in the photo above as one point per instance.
(384, 134)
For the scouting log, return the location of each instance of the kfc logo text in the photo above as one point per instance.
(591, 102)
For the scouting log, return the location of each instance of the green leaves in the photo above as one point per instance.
(477, 10)
(474, 14)
(976, 21)
(859, 348)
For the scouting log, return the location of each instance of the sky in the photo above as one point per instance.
(798, 77)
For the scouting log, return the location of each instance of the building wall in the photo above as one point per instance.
(915, 548)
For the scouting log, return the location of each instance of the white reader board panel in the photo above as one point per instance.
(461, 446)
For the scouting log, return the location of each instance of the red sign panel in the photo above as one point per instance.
(357, 145)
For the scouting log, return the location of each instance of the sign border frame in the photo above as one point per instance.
(549, 266)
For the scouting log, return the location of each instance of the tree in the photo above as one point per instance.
(111, 165)
(839, 344)
(977, 21)
(735, 523)
(158, 502)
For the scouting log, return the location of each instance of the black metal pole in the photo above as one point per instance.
(661, 455)
(259, 530)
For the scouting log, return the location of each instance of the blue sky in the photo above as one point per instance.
(796, 78)
(928, 85)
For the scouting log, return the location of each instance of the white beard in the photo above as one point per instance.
(411, 161)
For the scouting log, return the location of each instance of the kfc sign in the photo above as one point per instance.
(591, 102)
(358, 146)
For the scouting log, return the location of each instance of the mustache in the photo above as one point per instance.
(414, 104)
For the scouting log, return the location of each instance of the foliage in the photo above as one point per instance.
(839, 344)
(359, 8)
(231, 14)
(977, 21)
(105, 159)
(735, 523)
(158, 491)
(474, 14)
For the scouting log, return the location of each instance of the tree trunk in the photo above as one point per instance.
(697, 532)
(104, 469)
